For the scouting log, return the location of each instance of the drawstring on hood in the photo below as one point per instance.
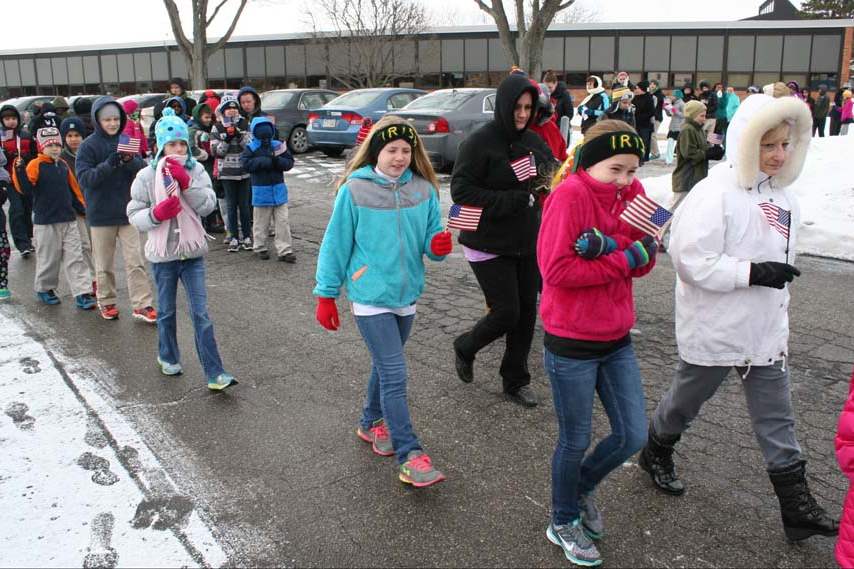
(757, 115)
(509, 91)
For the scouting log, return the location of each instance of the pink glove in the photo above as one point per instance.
(441, 244)
(177, 171)
(167, 209)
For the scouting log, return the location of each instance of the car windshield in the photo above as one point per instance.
(440, 100)
(354, 99)
(275, 99)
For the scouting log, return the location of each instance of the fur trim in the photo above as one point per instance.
(760, 117)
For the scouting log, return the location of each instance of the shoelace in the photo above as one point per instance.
(574, 533)
(422, 463)
(380, 431)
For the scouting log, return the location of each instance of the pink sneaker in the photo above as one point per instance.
(379, 438)
(418, 470)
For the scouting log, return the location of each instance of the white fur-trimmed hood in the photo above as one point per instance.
(757, 115)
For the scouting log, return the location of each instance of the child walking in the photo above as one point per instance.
(385, 219)
(229, 137)
(73, 131)
(265, 159)
(5, 249)
(168, 200)
(56, 197)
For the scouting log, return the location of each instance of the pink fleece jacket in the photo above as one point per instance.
(845, 457)
(133, 129)
(587, 299)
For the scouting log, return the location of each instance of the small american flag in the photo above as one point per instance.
(778, 218)
(169, 182)
(525, 167)
(127, 145)
(646, 215)
(464, 217)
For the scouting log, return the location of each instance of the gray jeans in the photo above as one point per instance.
(769, 402)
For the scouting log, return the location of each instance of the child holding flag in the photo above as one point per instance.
(380, 259)
(588, 256)
(167, 200)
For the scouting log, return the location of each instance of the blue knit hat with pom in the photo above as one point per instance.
(169, 129)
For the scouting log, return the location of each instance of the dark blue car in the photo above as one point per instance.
(334, 127)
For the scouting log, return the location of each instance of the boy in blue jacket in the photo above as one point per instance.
(56, 197)
(265, 159)
(105, 175)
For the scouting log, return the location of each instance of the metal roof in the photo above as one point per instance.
(592, 27)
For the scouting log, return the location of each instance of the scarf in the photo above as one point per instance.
(594, 91)
(191, 234)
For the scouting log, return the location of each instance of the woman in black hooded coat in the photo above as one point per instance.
(500, 167)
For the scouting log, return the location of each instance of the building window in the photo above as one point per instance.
(452, 56)
(43, 71)
(404, 57)
(553, 54)
(295, 64)
(799, 78)
(656, 52)
(142, 66)
(683, 52)
(475, 55)
(576, 80)
(577, 54)
(90, 70)
(13, 76)
(661, 77)
(160, 66)
(75, 70)
(769, 52)
(740, 53)
(125, 65)
(255, 66)
(761, 79)
(429, 56)
(179, 64)
(631, 53)
(831, 80)
(682, 79)
(710, 53)
(234, 63)
(738, 80)
(602, 53)
(825, 54)
(497, 56)
(216, 65)
(796, 53)
(60, 70)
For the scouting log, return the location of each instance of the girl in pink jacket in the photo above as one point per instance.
(845, 456)
(588, 258)
(133, 128)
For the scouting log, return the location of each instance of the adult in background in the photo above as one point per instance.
(177, 88)
(82, 108)
(644, 116)
(502, 250)
(659, 97)
(836, 111)
(820, 110)
(676, 111)
(250, 104)
(733, 246)
(708, 97)
(595, 104)
(560, 96)
(692, 153)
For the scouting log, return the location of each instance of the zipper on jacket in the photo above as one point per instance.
(402, 263)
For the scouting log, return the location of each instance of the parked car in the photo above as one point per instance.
(27, 105)
(290, 108)
(444, 118)
(334, 127)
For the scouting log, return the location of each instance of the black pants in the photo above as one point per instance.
(646, 135)
(835, 123)
(20, 219)
(509, 285)
(818, 126)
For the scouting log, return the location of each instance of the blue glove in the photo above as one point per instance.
(641, 252)
(593, 243)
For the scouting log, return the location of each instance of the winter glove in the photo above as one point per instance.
(178, 172)
(593, 243)
(641, 252)
(327, 313)
(115, 159)
(772, 274)
(167, 209)
(440, 244)
(714, 152)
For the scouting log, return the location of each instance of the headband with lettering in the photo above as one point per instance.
(607, 145)
(391, 133)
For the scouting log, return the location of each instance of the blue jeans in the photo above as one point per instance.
(616, 378)
(238, 201)
(192, 273)
(385, 336)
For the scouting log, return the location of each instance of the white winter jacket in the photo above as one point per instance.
(720, 229)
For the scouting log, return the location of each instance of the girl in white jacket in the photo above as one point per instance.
(733, 248)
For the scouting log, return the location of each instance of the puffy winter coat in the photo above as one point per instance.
(227, 149)
(732, 104)
(845, 457)
(587, 299)
(721, 228)
(692, 164)
(562, 100)
(266, 161)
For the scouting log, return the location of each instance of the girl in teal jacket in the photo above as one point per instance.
(385, 220)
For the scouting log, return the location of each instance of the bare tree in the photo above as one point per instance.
(578, 14)
(365, 38)
(198, 50)
(532, 21)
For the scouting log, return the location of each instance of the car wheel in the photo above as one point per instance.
(298, 140)
(333, 151)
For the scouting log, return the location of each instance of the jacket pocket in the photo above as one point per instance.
(359, 273)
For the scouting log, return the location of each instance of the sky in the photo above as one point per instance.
(95, 22)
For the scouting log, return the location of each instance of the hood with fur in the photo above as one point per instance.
(757, 115)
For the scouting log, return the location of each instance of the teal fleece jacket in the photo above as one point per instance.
(376, 239)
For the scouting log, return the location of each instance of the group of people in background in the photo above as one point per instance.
(537, 244)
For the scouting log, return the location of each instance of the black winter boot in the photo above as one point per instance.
(802, 516)
(657, 459)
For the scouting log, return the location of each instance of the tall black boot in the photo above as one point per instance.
(657, 459)
(802, 516)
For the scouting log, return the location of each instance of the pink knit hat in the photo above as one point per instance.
(130, 106)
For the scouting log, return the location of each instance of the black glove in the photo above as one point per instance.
(115, 159)
(715, 152)
(772, 274)
(521, 200)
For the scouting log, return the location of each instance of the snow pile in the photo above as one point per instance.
(826, 193)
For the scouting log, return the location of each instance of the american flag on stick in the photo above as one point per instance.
(169, 182)
(464, 217)
(778, 218)
(646, 215)
(525, 167)
(127, 145)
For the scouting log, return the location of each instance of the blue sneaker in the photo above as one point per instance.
(221, 381)
(575, 543)
(85, 301)
(169, 369)
(5, 294)
(48, 297)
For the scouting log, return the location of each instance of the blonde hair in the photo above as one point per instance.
(420, 164)
(777, 133)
